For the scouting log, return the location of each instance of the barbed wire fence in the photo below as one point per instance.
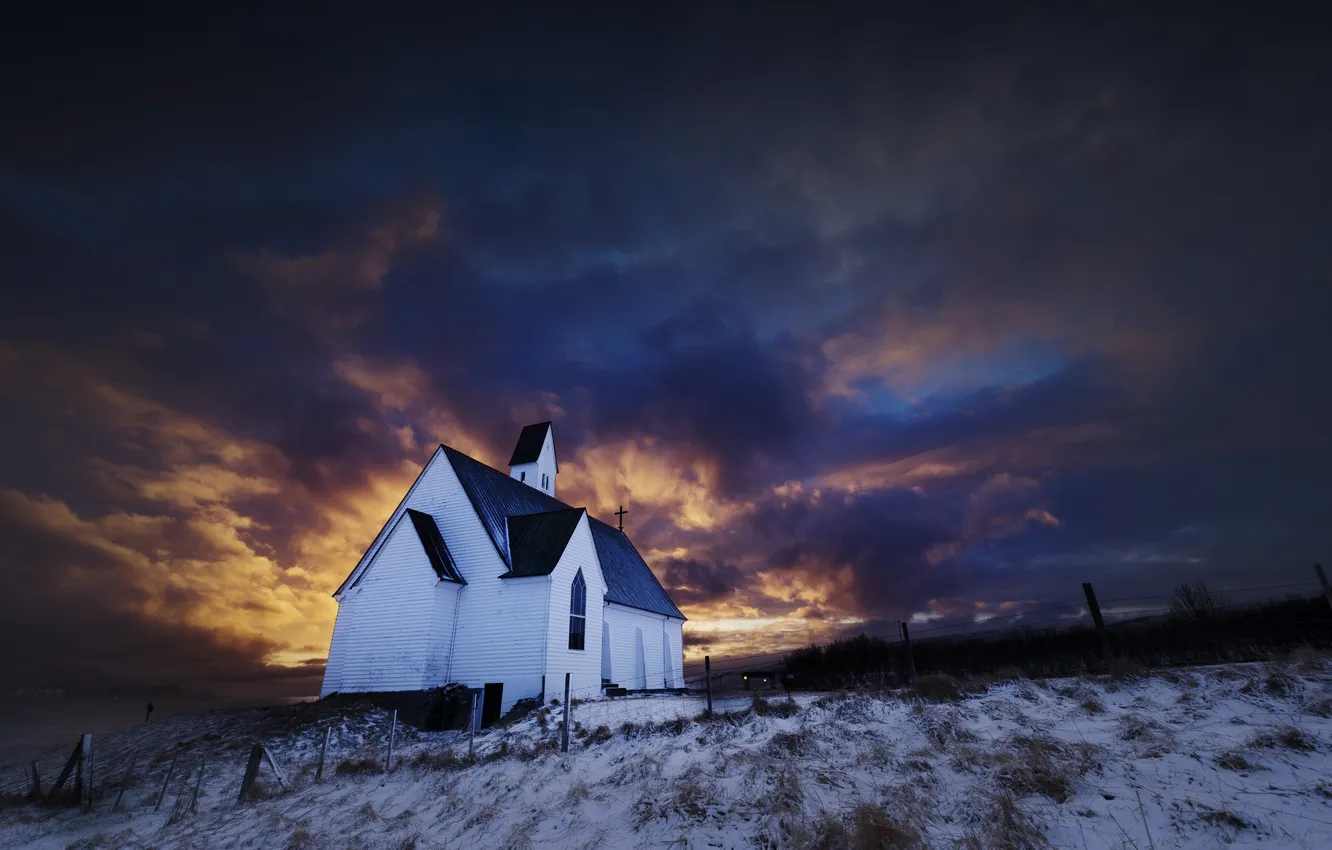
(180, 773)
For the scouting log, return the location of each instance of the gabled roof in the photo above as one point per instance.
(536, 541)
(629, 581)
(435, 547)
(529, 445)
(496, 497)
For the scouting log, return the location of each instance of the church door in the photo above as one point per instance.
(605, 652)
(491, 702)
(667, 674)
(640, 662)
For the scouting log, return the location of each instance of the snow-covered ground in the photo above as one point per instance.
(1205, 758)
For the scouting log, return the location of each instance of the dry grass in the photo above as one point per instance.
(1045, 767)
(1235, 760)
(1225, 819)
(1002, 824)
(939, 687)
(791, 744)
(864, 826)
(445, 760)
(1319, 708)
(775, 708)
(358, 767)
(944, 726)
(599, 735)
(300, 838)
(1289, 737)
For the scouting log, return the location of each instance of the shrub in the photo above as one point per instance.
(1195, 601)
(599, 735)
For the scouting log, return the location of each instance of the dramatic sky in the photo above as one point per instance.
(920, 316)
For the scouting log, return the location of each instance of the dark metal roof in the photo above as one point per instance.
(529, 445)
(496, 497)
(629, 580)
(536, 541)
(436, 549)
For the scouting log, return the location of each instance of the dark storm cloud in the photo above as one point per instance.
(80, 609)
(692, 581)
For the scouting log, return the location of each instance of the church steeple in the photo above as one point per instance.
(533, 461)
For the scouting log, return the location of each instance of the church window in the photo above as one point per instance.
(522, 476)
(578, 612)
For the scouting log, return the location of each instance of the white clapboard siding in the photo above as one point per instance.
(585, 664)
(439, 640)
(499, 635)
(623, 621)
(385, 619)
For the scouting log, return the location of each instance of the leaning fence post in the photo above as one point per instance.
(69, 768)
(194, 798)
(911, 656)
(707, 675)
(471, 734)
(1322, 580)
(162, 794)
(323, 748)
(393, 731)
(1100, 625)
(35, 781)
(564, 727)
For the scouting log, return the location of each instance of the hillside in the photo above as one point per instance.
(1203, 758)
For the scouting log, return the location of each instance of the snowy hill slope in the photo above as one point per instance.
(1223, 756)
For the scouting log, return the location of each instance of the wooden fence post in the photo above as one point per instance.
(272, 763)
(323, 748)
(251, 771)
(194, 798)
(1100, 625)
(35, 782)
(86, 772)
(911, 658)
(707, 674)
(564, 727)
(1322, 579)
(393, 731)
(69, 768)
(161, 795)
(471, 735)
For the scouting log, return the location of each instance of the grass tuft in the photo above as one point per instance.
(1289, 737)
(865, 826)
(358, 767)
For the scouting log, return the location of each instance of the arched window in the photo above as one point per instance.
(578, 612)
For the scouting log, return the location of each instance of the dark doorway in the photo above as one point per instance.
(491, 702)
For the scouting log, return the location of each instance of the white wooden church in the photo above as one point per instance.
(488, 580)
